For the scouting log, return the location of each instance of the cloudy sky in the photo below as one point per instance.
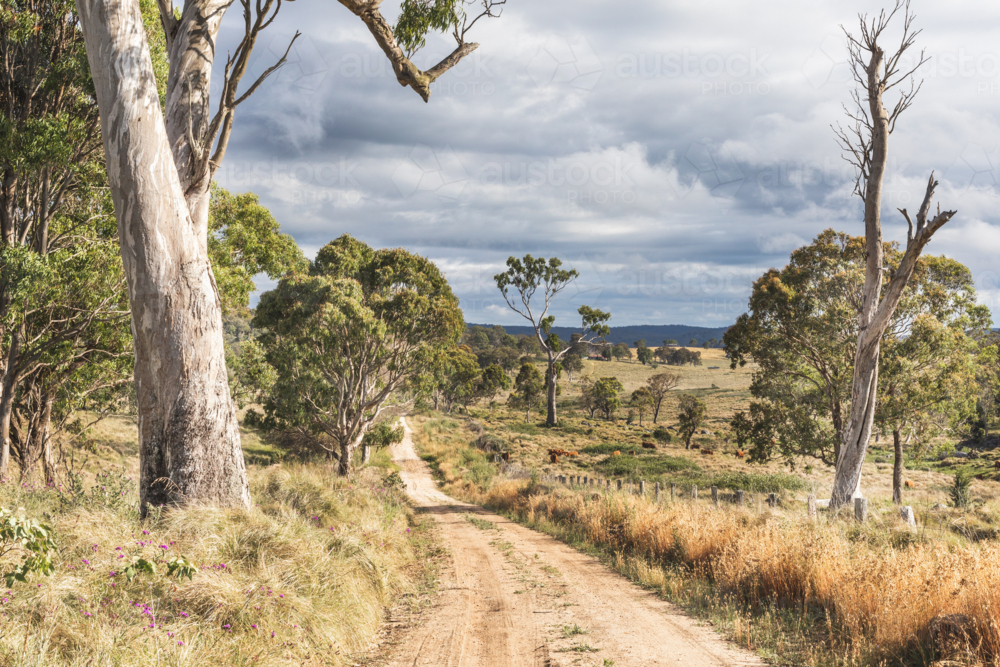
(669, 151)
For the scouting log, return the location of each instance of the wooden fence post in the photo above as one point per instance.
(642, 487)
(673, 490)
(811, 506)
(739, 497)
(861, 509)
(772, 500)
(715, 495)
(694, 492)
(656, 490)
(619, 485)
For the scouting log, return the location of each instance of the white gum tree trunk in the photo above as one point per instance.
(189, 438)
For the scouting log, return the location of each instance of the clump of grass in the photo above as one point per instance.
(959, 490)
(572, 630)
(302, 577)
(481, 524)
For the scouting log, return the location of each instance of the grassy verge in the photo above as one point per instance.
(799, 593)
(304, 577)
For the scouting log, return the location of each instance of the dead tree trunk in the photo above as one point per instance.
(897, 468)
(867, 147)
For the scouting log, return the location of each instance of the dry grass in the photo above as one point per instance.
(302, 578)
(802, 593)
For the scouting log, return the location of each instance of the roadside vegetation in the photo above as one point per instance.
(303, 577)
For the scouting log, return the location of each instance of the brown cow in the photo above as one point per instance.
(740, 453)
(707, 452)
(909, 484)
(616, 453)
(553, 458)
(997, 464)
(648, 445)
(505, 456)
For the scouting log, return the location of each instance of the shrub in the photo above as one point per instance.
(491, 443)
(662, 435)
(959, 490)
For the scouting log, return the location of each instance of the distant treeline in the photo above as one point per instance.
(654, 333)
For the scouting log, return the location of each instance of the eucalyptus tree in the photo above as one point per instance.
(520, 284)
(659, 386)
(529, 389)
(866, 146)
(692, 415)
(160, 165)
(348, 335)
(801, 331)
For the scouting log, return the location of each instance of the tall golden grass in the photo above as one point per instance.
(878, 589)
(302, 578)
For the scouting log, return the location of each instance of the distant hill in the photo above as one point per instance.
(654, 334)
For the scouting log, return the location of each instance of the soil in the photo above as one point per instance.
(513, 597)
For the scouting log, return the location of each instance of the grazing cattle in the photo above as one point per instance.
(616, 453)
(553, 458)
(740, 453)
(562, 452)
(707, 452)
(648, 445)
(505, 456)
(909, 484)
(997, 464)
(632, 453)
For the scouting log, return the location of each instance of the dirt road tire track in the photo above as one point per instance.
(508, 594)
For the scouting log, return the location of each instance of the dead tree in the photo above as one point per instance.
(866, 145)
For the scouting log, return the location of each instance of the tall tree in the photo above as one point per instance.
(160, 166)
(866, 145)
(519, 284)
(641, 401)
(492, 381)
(659, 386)
(347, 335)
(693, 413)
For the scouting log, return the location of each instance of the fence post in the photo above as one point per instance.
(772, 500)
(715, 495)
(861, 509)
(907, 513)
(811, 506)
(694, 492)
(739, 497)
(619, 485)
(656, 490)
(642, 487)
(673, 490)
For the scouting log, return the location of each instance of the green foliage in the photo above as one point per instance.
(641, 401)
(802, 331)
(30, 538)
(383, 434)
(660, 434)
(529, 389)
(137, 566)
(348, 334)
(602, 396)
(180, 566)
(959, 491)
(244, 240)
(693, 413)
(493, 381)
(418, 17)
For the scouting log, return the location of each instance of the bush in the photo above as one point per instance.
(661, 434)
(959, 490)
(488, 442)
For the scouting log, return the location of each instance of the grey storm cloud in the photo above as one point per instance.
(669, 153)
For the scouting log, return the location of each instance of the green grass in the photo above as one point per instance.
(645, 467)
(481, 524)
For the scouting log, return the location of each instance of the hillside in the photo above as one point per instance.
(653, 334)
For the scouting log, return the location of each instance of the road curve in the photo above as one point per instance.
(514, 597)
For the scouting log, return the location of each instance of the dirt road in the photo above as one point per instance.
(513, 597)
